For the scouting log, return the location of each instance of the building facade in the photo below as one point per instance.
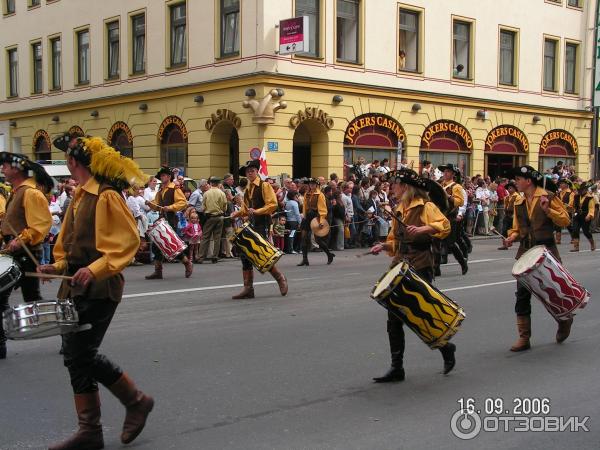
(200, 84)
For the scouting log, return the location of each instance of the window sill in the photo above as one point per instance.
(12, 97)
(510, 87)
(55, 90)
(309, 57)
(111, 79)
(82, 84)
(576, 8)
(228, 57)
(36, 95)
(572, 94)
(547, 91)
(6, 15)
(30, 8)
(178, 67)
(137, 75)
(343, 62)
(411, 73)
(463, 80)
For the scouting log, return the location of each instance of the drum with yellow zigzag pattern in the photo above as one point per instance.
(423, 308)
(260, 252)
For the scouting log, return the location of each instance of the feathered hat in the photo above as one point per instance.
(30, 168)
(104, 162)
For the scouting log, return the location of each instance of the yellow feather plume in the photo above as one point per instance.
(107, 163)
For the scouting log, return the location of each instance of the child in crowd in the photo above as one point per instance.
(279, 232)
(192, 233)
(367, 237)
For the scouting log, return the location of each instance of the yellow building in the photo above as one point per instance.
(199, 84)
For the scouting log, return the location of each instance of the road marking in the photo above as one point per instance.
(181, 291)
(474, 286)
(475, 261)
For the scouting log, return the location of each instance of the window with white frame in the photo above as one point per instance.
(83, 57)
(230, 28)
(408, 40)
(178, 35)
(138, 42)
(36, 67)
(112, 47)
(507, 57)
(55, 56)
(462, 49)
(348, 30)
(550, 48)
(13, 72)
(311, 9)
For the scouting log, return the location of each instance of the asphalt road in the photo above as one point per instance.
(295, 372)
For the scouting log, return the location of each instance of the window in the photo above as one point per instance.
(120, 142)
(408, 41)
(347, 30)
(550, 47)
(112, 46)
(55, 55)
(138, 39)
(462, 50)
(574, 3)
(230, 28)
(83, 57)
(36, 53)
(178, 44)
(13, 72)
(507, 57)
(42, 152)
(10, 7)
(33, 3)
(571, 51)
(312, 9)
(173, 149)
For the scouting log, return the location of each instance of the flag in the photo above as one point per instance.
(263, 172)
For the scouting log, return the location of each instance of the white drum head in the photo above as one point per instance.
(385, 283)
(6, 262)
(528, 259)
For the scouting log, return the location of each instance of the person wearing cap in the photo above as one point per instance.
(97, 241)
(315, 206)
(215, 205)
(565, 194)
(534, 217)
(583, 206)
(451, 184)
(509, 209)
(168, 201)
(412, 243)
(258, 205)
(26, 222)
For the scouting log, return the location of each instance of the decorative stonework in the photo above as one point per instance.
(264, 111)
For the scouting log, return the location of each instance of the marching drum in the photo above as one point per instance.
(40, 319)
(261, 253)
(541, 273)
(9, 272)
(162, 235)
(423, 308)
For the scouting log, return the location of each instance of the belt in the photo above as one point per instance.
(404, 248)
(214, 215)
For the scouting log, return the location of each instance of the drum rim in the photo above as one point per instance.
(518, 266)
(403, 268)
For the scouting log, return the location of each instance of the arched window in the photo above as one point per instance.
(120, 138)
(42, 150)
(173, 143)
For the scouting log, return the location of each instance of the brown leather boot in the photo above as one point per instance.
(564, 329)
(575, 243)
(248, 291)
(557, 236)
(189, 266)
(592, 245)
(89, 435)
(281, 281)
(524, 329)
(157, 274)
(137, 404)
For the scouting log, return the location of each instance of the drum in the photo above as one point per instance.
(541, 273)
(10, 272)
(40, 319)
(261, 253)
(423, 308)
(164, 237)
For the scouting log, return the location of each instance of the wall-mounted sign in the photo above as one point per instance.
(375, 125)
(448, 129)
(223, 114)
(116, 127)
(559, 138)
(503, 132)
(43, 135)
(272, 146)
(312, 113)
(293, 35)
(172, 120)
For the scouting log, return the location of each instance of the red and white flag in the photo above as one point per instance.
(263, 172)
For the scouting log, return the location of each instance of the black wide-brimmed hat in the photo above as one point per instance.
(407, 176)
(454, 168)
(585, 186)
(165, 170)
(255, 163)
(72, 144)
(30, 168)
(312, 180)
(529, 172)
(566, 181)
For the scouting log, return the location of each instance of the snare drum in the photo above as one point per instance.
(260, 252)
(164, 237)
(423, 308)
(10, 273)
(40, 319)
(541, 273)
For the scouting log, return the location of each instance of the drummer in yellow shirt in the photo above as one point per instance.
(412, 243)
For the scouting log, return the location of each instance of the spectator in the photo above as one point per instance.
(279, 230)
(192, 234)
(293, 219)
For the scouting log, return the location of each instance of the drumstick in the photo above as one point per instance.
(365, 254)
(47, 275)
(493, 230)
(33, 258)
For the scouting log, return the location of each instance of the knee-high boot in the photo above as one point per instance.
(458, 255)
(281, 280)
(592, 244)
(158, 271)
(524, 330)
(305, 247)
(189, 266)
(89, 434)
(248, 290)
(322, 242)
(448, 352)
(395, 331)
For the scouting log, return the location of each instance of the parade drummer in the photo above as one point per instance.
(534, 218)
(509, 209)
(98, 239)
(566, 195)
(26, 222)
(583, 206)
(451, 183)
(258, 205)
(411, 242)
(168, 201)
(315, 206)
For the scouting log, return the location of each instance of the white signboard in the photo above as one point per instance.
(293, 35)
